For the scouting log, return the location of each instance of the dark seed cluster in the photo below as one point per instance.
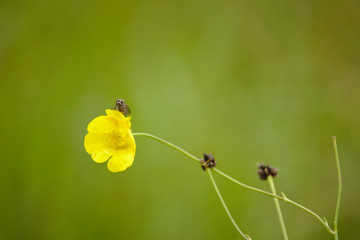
(208, 161)
(266, 170)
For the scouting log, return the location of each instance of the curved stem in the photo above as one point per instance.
(225, 207)
(339, 188)
(284, 198)
(278, 209)
(169, 144)
(246, 186)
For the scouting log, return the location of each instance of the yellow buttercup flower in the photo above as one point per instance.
(110, 138)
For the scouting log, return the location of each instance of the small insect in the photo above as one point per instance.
(122, 107)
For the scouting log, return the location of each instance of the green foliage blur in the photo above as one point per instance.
(248, 81)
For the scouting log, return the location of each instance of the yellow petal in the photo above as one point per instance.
(131, 141)
(103, 124)
(124, 122)
(98, 145)
(101, 155)
(95, 141)
(115, 113)
(121, 160)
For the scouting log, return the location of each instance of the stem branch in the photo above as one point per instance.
(225, 207)
(277, 205)
(339, 189)
(283, 198)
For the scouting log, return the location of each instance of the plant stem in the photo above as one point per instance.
(225, 207)
(336, 236)
(283, 198)
(246, 186)
(169, 144)
(277, 205)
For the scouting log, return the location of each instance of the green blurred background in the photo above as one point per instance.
(249, 81)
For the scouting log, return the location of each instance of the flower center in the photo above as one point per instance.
(117, 139)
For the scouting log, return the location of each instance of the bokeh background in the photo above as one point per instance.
(249, 81)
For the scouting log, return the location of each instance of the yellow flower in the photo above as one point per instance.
(110, 138)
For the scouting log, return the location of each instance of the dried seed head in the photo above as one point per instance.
(265, 170)
(208, 161)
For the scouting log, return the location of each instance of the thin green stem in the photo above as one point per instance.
(246, 186)
(283, 198)
(169, 144)
(225, 207)
(277, 205)
(336, 236)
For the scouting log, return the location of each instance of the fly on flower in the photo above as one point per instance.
(122, 107)
(110, 139)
